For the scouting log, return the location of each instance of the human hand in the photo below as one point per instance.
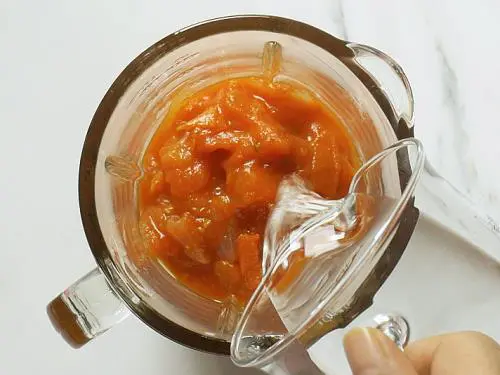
(370, 352)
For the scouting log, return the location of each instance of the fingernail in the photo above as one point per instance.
(366, 351)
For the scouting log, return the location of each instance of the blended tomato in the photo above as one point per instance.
(212, 171)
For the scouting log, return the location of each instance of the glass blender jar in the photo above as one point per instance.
(367, 89)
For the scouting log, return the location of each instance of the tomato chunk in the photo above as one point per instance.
(248, 250)
(252, 183)
(189, 233)
(178, 153)
(184, 181)
(228, 274)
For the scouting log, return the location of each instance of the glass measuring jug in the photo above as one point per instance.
(322, 260)
(318, 278)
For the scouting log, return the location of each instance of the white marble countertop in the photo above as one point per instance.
(58, 58)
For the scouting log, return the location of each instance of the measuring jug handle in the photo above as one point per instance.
(295, 359)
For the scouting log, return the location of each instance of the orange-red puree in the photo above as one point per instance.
(212, 170)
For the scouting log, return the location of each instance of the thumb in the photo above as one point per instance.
(370, 352)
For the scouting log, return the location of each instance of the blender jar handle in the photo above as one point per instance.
(390, 77)
(86, 309)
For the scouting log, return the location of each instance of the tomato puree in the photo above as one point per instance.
(212, 170)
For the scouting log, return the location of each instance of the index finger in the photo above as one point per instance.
(463, 353)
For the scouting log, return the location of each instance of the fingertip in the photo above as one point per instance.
(369, 351)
